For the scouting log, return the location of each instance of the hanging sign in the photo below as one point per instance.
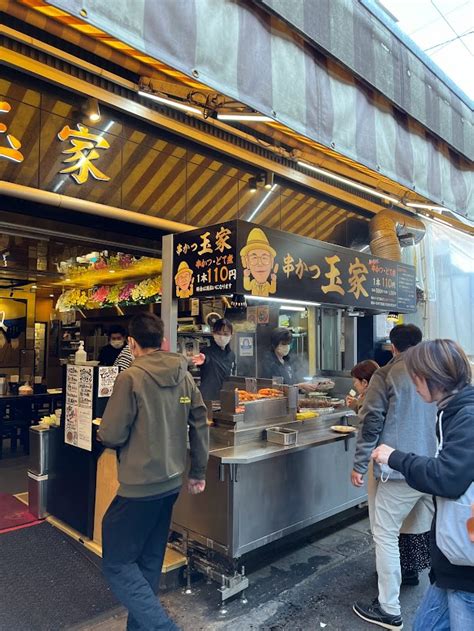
(243, 258)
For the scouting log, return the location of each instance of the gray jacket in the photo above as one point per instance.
(394, 414)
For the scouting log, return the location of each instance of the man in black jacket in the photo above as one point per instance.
(442, 373)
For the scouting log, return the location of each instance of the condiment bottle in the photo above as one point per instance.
(80, 356)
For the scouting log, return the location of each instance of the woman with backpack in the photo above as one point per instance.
(441, 373)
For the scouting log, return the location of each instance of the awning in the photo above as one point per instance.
(249, 55)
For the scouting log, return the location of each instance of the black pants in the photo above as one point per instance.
(134, 537)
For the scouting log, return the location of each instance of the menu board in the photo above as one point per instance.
(79, 406)
(107, 377)
(243, 258)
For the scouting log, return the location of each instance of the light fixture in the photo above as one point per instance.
(51, 295)
(304, 303)
(262, 203)
(67, 280)
(111, 271)
(291, 308)
(91, 109)
(393, 317)
(253, 184)
(34, 286)
(178, 105)
(268, 180)
(426, 206)
(243, 116)
(345, 180)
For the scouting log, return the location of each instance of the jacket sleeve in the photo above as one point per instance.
(198, 434)
(372, 418)
(450, 474)
(120, 413)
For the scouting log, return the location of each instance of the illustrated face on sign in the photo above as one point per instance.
(184, 281)
(260, 264)
(258, 260)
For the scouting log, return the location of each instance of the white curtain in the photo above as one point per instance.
(444, 261)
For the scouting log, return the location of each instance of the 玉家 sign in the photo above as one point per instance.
(239, 257)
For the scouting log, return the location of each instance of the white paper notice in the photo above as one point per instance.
(107, 377)
(79, 398)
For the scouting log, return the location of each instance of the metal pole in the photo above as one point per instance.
(169, 306)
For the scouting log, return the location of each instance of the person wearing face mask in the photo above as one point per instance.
(117, 339)
(279, 363)
(216, 361)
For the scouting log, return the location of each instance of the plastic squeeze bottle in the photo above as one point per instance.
(80, 356)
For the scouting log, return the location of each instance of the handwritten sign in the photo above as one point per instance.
(79, 400)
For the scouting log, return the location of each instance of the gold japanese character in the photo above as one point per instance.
(12, 152)
(334, 276)
(357, 276)
(179, 249)
(288, 266)
(315, 271)
(222, 238)
(83, 152)
(301, 268)
(206, 247)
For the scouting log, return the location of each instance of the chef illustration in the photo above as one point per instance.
(184, 281)
(258, 260)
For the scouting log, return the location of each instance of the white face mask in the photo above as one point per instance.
(222, 340)
(116, 344)
(283, 350)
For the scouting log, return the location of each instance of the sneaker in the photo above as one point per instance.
(410, 577)
(376, 615)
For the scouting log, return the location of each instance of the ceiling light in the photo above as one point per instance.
(34, 286)
(304, 303)
(111, 271)
(268, 179)
(292, 308)
(253, 184)
(262, 203)
(243, 116)
(91, 109)
(393, 317)
(426, 206)
(344, 180)
(51, 295)
(67, 280)
(170, 103)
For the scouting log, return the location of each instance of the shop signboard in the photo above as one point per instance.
(244, 258)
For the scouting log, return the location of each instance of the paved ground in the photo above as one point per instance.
(308, 586)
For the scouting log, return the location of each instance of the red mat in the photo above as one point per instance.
(14, 514)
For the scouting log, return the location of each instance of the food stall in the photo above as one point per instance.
(278, 462)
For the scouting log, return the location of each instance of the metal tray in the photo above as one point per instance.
(281, 435)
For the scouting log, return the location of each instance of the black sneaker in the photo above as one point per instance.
(376, 615)
(410, 577)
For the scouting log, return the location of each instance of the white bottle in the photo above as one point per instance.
(80, 356)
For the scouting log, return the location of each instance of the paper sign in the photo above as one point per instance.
(107, 377)
(246, 346)
(79, 399)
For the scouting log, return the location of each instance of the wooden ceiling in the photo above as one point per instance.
(150, 173)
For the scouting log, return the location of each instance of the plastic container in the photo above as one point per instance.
(80, 356)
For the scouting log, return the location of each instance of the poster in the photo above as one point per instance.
(243, 258)
(107, 377)
(79, 407)
(252, 314)
(246, 346)
(263, 314)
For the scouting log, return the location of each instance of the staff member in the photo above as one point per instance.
(117, 339)
(279, 363)
(217, 361)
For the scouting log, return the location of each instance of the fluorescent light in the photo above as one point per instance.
(344, 180)
(244, 116)
(176, 104)
(286, 301)
(291, 308)
(262, 202)
(426, 206)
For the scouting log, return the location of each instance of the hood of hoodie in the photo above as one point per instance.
(166, 369)
(460, 400)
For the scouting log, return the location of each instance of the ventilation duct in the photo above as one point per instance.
(391, 230)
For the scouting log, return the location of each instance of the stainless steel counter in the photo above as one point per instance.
(311, 433)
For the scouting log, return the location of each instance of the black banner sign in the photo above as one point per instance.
(239, 257)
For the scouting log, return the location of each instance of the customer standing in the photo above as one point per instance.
(392, 412)
(414, 547)
(153, 404)
(441, 373)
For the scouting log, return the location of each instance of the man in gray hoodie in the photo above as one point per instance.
(153, 409)
(392, 410)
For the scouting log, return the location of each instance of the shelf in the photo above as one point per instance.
(193, 333)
